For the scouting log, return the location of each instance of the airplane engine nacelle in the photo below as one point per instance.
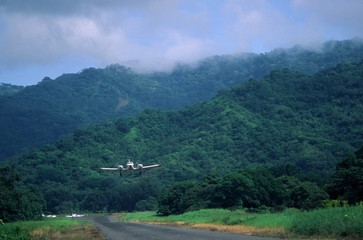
(140, 165)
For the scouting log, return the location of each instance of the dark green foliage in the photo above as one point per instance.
(304, 123)
(178, 199)
(347, 181)
(308, 196)
(252, 188)
(18, 202)
(149, 204)
(8, 89)
(40, 114)
(37, 115)
(237, 190)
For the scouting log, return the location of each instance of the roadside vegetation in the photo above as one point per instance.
(333, 223)
(55, 228)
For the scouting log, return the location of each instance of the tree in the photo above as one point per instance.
(176, 200)
(18, 202)
(149, 204)
(237, 190)
(347, 181)
(308, 196)
(95, 200)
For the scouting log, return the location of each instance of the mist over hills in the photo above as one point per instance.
(41, 114)
(295, 124)
(8, 89)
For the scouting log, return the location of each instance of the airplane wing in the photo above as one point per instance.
(109, 169)
(151, 166)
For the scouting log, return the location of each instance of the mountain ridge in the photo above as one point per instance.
(43, 113)
(290, 122)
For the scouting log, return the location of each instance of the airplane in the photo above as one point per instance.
(130, 166)
(75, 215)
(49, 216)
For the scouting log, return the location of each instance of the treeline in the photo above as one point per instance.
(25, 201)
(347, 181)
(41, 114)
(255, 189)
(258, 189)
(8, 89)
(18, 202)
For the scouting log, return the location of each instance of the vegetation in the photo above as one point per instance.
(347, 181)
(333, 222)
(36, 115)
(8, 89)
(18, 202)
(250, 189)
(341, 222)
(55, 228)
(265, 144)
(286, 131)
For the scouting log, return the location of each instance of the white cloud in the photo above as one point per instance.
(258, 25)
(27, 39)
(149, 33)
(155, 34)
(335, 19)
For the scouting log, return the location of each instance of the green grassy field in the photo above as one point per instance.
(54, 228)
(334, 223)
(330, 223)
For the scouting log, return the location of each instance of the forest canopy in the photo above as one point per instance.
(36, 115)
(278, 138)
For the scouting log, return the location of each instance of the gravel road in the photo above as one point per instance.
(132, 231)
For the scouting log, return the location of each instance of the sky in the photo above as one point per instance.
(46, 38)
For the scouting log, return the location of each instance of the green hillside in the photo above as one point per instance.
(294, 124)
(41, 114)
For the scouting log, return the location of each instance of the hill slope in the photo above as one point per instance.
(40, 114)
(294, 123)
(8, 89)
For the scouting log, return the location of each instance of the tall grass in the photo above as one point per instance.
(332, 222)
(201, 216)
(342, 222)
(44, 229)
(216, 216)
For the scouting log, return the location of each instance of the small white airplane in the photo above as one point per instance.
(75, 215)
(130, 166)
(49, 216)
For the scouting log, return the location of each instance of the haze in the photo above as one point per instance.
(41, 38)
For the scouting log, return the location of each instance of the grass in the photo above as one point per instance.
(346, 222)
(217, 216)
(201, 216)
(56, 228)
(330, 223)
(236, 221)
(333, 223)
